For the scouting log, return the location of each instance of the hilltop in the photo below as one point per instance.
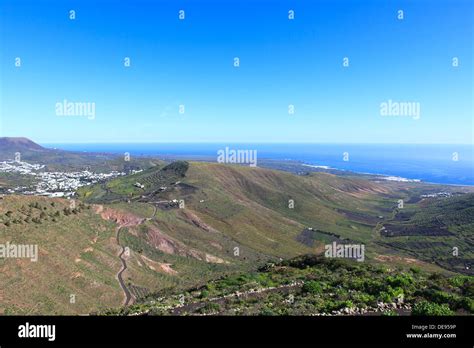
(12, 144)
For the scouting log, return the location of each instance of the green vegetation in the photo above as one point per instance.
(437, 230)
(126, 188)
(427, 308)
(234, 220)
(309, 285)
(38, 213)
(76, 257)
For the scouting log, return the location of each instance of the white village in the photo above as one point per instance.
(52, 184)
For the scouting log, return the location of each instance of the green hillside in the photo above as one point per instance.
(310, 285)
(76, 257)
(435, 230)
(251, 208)
(181, 225)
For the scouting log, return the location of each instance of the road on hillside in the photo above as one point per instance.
(127, 293)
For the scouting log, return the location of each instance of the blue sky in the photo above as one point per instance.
(282, 62)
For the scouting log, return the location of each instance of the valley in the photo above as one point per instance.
(168, 229)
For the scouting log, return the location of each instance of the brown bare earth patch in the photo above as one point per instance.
(98, 208)
(158, 266)
(216, 245)
(362, 190)
(121, 218)
(76, 275)
(195, 220)
(214, 259)
(164, 243)
(393, 258)
(156, 237)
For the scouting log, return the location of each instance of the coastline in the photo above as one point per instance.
(449, 175)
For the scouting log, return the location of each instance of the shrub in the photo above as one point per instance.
(204, 293)
(435, 276)
(267, 311)
(312, 287)
(400, 280)
(348, 304)
(468, 288)
(458, 281)
(391, 294)
(430, 308)
(263, 279)
(467, 303)
(360, 297)
(437, 296)
(210, 287)
(373, 287)
(209, 308)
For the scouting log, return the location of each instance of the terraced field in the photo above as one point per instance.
(438, 230)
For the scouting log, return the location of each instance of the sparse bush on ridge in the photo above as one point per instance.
(312, 287)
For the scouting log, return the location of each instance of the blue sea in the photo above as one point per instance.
(428, 163)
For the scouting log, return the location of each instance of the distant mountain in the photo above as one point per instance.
(18, 144)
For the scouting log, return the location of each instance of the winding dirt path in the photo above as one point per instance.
(128, 297)
(127, 293)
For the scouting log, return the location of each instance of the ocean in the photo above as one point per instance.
(443, 164)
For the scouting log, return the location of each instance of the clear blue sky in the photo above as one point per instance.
(283, 62)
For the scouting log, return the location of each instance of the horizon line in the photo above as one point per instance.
(236, 142)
